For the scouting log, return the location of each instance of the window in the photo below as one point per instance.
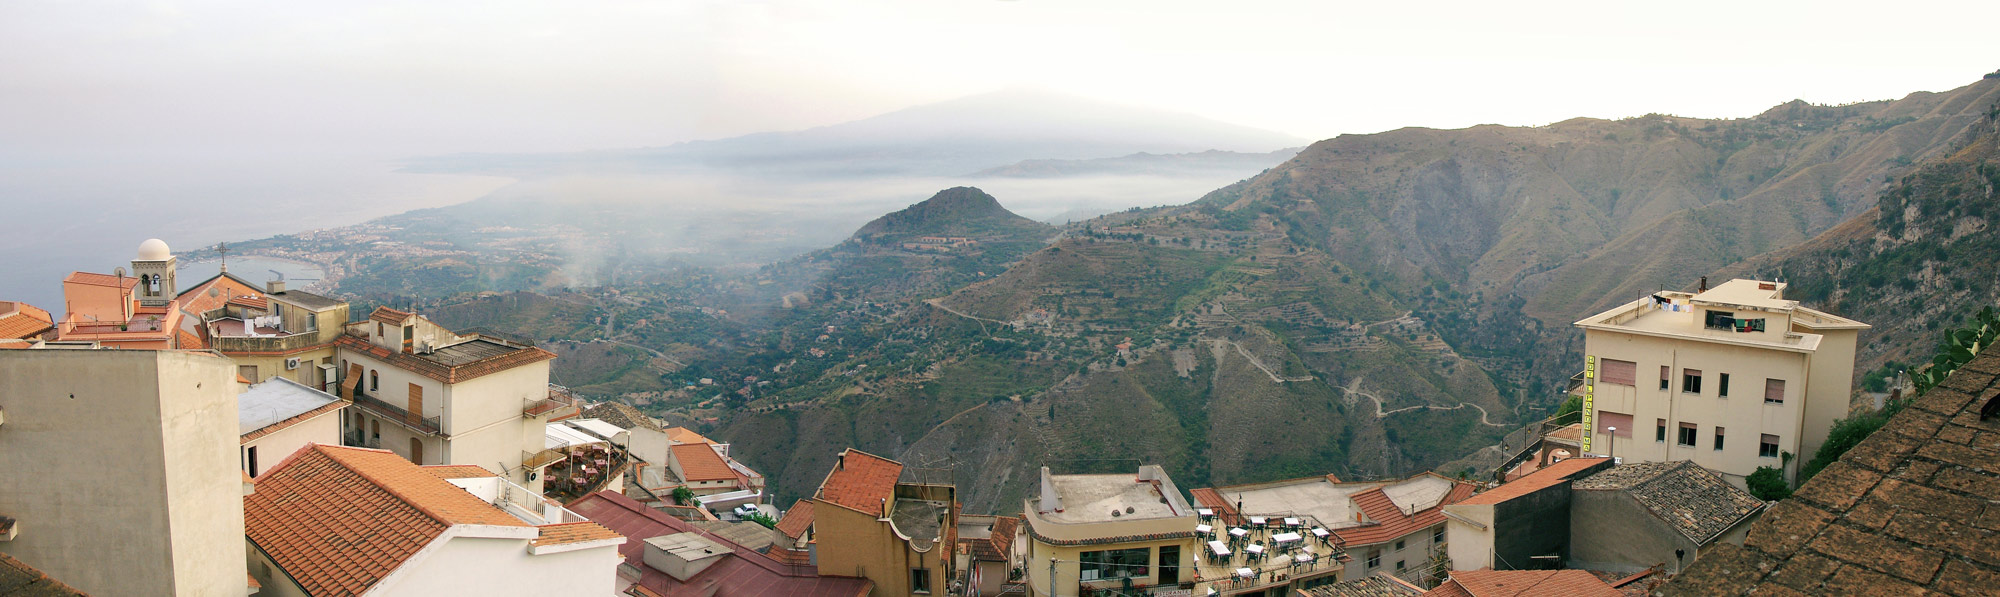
(1722, 386)
(1437, 536)
(1665, 371)
(1614, 371)
(253, 460)
(378, 329)
(1687, 434)
(374, 380)
(1399, 565)
(1660, 432)
(1750, 325)
(1607, 420)
(1115, 563)
(1718, 438)
(374, 430)
(1768, 446)
(248, 372)
(920, 580)
(1774, 391)
(1719, 320)
(1374, 559)
(1399, 545)
(1691, 381)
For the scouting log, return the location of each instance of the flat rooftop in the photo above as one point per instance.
(1332, 504)
(1779, 322)
(1093, 498)
(1748, 293)
(274, 401)
(468, 352)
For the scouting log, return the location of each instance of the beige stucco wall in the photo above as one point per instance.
(476, 566)
(1416, 553)
(1744, 414)
(1829, 389)
(854, 544)
(1068, 564)
(121, 469)
(273, 448)
(1470, 547)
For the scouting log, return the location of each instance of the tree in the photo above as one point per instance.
(1768, 484)
(1569, 407)
(683, 496)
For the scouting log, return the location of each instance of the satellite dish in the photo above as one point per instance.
(118, 271)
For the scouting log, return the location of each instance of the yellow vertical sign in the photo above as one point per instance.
(1589, 405)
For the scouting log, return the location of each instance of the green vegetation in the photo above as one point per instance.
(1768, 484)
(762, 518)
(683, 496)
(1957, 349)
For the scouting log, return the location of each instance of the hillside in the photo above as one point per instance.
(957, 211)
(1378, 304)
(1921, 260)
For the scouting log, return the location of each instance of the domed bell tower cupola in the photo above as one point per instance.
(155, 268)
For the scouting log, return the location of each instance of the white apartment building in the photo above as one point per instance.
(333, 520)
(435, 397)
(1731, 377)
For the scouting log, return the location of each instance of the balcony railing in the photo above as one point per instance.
(558, 398)
(536, 460)
(285, 343)
(430, 425)
(357, 439)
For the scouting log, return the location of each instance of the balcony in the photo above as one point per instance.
(357, 439)
(558, 398)
(428, 425)
(230, 334)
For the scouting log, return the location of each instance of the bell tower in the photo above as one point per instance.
(155, 268)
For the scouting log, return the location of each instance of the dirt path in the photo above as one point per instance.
(939, 303)
(1354, 388)
(1259, 365)
(940, 425)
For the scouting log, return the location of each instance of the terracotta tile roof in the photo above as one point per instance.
(740, 573)
(24, 321)
(622, 415)
(15, 344)
(699, 462)
(861, 482)
(1909, 510)
(582, 531)
(1369, 586)
(1524, 583)
(186, 340)
(254, 302)
(101, 280)
(1392, 523)
(1550, 476)
(338, 520)
(196, 300)
(388, 315)
(459, 471)
(1005, 528)
(797, 520)
(686, 436)
(1693, 500)
(447, 373)
(17, 579)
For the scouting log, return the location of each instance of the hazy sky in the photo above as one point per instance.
(391, 78)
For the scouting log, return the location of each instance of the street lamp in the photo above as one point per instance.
(1613, 451)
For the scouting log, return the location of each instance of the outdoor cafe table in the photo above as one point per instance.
(1219, 548)
(1257, 520)
(1254, 548)
(1319, 532)
(1205, 512)
(1245, 572)
(1239, 532)
(1291, 522)
(1203, 529)
(1286, 537)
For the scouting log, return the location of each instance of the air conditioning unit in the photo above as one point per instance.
(291, 363)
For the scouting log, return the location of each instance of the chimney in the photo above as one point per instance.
(1704, 285)
(275, 286)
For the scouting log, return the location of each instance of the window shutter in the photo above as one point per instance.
(1774, 390)
(1613, 371)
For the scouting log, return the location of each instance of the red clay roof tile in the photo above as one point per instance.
(1536, 481)
(797, 520)
(699, 462)
(860, 481)
(582, 531)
